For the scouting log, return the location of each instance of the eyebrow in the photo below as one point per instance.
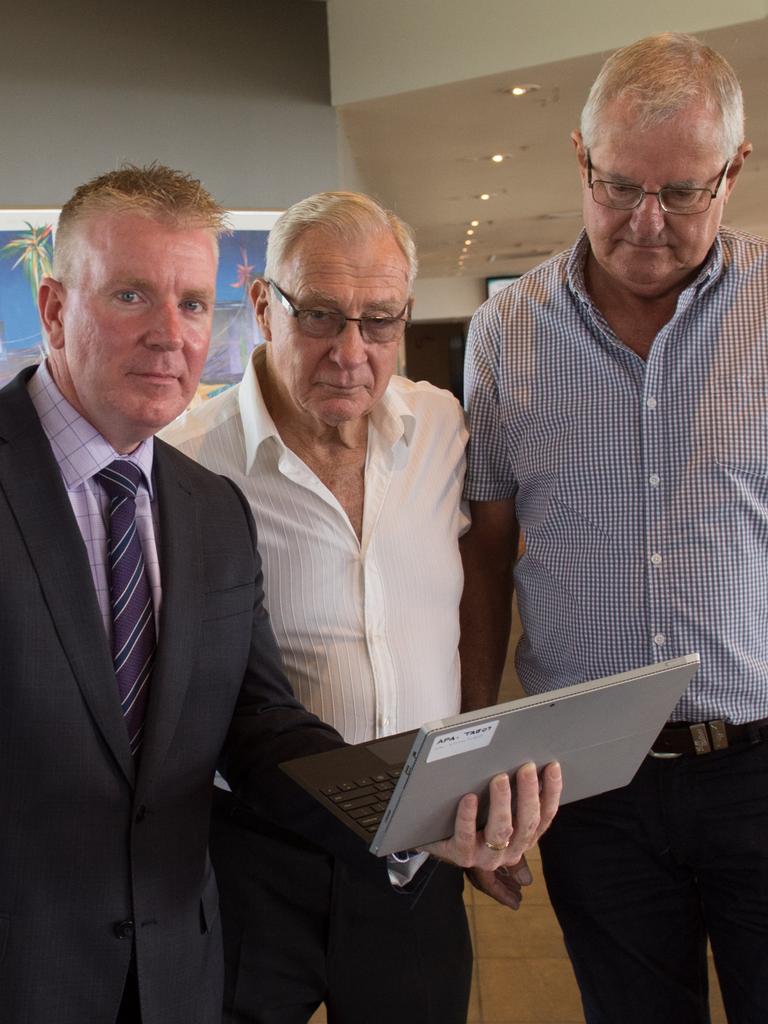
(129, 283)
(144, 285)
(387, 306)
(621, 179)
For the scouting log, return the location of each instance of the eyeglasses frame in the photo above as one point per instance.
(643, 192)
(287, 303)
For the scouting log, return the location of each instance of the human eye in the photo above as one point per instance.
(317, 316)
(194, 306)
(683, 197)
(617, 190)
(127, 296)
(319, 323)
(380, 324)
(382, 328)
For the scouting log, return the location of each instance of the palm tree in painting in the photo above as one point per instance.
(33, 251)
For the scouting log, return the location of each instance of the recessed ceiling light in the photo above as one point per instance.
(474, 223)
(484, 195)
(497, 158)
(468, 242)
(470, 231)
(523, 88)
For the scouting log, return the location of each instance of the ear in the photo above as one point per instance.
(260, 299)
(735, 168)
(581, 153)
(51, 297)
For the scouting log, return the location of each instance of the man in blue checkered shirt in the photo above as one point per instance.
(618, 401)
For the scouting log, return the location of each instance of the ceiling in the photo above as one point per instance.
(426, 154)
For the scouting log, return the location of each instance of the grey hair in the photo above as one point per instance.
(345, 215)
(662, 75)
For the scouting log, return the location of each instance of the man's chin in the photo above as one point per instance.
(649, 277)
(335, 411)
(153, 416)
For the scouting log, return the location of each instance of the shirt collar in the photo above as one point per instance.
(710, 272)
(391, 417)
(258, 425)
(79, 449)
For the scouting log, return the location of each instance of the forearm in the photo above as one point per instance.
(488, 551)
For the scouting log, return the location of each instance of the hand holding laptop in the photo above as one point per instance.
(401, 792)
(505, 838)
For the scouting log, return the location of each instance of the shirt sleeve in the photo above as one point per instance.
(489, 475)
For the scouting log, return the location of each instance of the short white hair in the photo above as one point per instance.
(345, 215)
(662, 75)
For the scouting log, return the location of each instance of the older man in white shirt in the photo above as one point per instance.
(355, 477)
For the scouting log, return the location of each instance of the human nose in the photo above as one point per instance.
(167, 330)
(649, 215)
(349, 346)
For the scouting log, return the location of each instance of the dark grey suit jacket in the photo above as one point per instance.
(95, 856)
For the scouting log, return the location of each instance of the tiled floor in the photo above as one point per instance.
(522, 974)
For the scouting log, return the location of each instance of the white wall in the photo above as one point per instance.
(383, 47)
(236, 93)
(447, 298)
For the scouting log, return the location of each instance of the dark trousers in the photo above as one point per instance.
(300, 930)
(641, 876)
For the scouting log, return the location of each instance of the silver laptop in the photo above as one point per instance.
(401, 792)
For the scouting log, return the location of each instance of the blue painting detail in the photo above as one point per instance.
(25, 257)
(241, 259)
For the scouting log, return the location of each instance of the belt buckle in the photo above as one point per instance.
(718, 733)
(700, 737)
(705, 736)
(709, 736)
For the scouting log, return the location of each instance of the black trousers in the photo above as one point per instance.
(640, 877)
(299, 930)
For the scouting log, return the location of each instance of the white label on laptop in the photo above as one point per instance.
(462, 740)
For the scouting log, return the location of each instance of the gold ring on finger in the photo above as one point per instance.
(497, 847)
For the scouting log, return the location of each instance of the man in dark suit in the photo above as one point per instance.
(135, 651)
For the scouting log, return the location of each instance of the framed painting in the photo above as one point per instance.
(26, 251)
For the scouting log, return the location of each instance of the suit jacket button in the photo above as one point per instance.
(123, 929)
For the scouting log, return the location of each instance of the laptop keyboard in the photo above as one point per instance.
(364, 799)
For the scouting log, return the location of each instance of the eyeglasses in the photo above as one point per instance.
(672, 199)
(328, 323)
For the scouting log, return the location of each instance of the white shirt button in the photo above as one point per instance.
(651, 403)
(656, 558)
(653, 480)
(659, 639)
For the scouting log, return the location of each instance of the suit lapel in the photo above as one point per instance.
(182, 609)
(32, 483)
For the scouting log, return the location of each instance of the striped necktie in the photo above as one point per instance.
(133, 616)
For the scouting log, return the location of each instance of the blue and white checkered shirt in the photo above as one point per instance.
(641, 486)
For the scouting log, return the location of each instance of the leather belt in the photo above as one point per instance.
(678, 738)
